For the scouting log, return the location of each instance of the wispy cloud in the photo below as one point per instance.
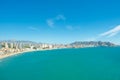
(51, 22)
(33, 28)
(111, 32)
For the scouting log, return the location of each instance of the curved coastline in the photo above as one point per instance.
(12, 54)
(16, 53)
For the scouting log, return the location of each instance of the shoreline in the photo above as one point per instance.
(16, 53)
(12, 54)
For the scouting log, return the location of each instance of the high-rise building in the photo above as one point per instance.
(20, 46)
(15, 45)
(6, 45)
(11, 45)
(0, 46)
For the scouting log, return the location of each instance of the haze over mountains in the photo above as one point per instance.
(77, 44)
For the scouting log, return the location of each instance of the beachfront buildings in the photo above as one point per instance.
(9, 47)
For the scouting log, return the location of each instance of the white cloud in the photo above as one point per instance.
(33, 28)
(111, 32)
(51, 22)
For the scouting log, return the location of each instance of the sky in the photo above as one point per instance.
(60, 21)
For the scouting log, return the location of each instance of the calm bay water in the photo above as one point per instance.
(63, 64)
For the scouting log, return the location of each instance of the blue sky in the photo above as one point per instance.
(60, 21)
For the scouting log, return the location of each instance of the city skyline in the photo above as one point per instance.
(60, 21)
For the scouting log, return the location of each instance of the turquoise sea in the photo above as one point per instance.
(63, 64)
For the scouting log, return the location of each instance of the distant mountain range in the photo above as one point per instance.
(92, 44)
(77, 44)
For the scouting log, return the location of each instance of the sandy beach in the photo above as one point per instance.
(12, 54)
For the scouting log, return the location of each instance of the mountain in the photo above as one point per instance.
(92, 44)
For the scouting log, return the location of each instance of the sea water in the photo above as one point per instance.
(101, 63)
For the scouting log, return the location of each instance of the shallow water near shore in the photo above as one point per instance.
(63, 64)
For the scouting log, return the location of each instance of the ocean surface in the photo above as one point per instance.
(63, 64)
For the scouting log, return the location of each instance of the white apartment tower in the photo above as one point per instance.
(6, 45)
(11, 45)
